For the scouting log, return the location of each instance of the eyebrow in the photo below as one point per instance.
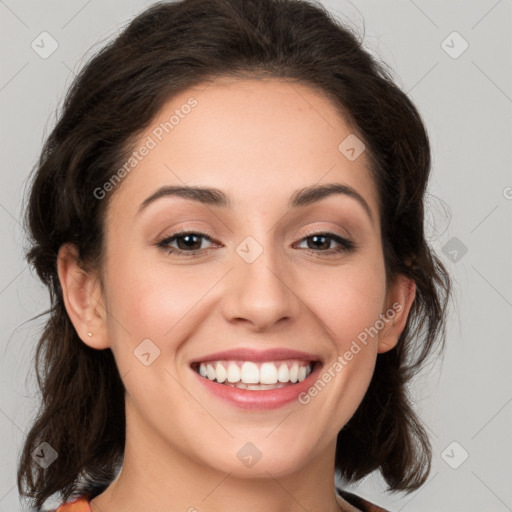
(216, 197)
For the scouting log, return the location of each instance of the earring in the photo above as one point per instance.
(89, 334)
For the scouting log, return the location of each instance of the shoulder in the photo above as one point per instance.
(360, 503)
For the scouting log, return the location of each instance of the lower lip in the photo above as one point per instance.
(264, 399)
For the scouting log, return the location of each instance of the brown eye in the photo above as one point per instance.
(188, 243)
(321, 243)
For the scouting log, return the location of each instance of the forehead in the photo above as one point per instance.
(257, 139)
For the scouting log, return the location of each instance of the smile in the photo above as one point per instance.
(255, 375)
(250, 378)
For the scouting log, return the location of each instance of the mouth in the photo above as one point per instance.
(253, 379)
(255, 375)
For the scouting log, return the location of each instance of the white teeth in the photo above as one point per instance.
(220, 372)
(283, 375)
(210, 372)
(233, 373)
(268, 373)
(294, 372)
(251, 375)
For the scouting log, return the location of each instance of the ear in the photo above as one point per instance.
(83, 298)
(399, 301)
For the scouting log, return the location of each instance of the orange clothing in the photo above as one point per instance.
(79, 505)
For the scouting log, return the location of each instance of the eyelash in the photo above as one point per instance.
(347, 246)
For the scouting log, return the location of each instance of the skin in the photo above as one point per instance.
(258, 141)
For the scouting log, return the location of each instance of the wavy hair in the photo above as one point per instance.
(168, 48)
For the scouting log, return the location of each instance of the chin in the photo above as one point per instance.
(248, 459)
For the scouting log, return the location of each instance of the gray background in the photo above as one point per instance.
(466, 102)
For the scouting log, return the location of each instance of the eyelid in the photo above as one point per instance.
(183, 231)
(201, 233)
(320, 231)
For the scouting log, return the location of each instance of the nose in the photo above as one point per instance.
(261, 292)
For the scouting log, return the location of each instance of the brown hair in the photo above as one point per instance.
(163, 51)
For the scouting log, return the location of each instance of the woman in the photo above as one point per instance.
(229, 218)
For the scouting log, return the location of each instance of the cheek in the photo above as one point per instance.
(347, 300)
(155, 303)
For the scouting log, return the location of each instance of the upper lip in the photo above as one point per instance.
(250, 354)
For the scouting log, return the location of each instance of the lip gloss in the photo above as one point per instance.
(259, 399)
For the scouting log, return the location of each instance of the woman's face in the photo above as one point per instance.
(251, 278)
